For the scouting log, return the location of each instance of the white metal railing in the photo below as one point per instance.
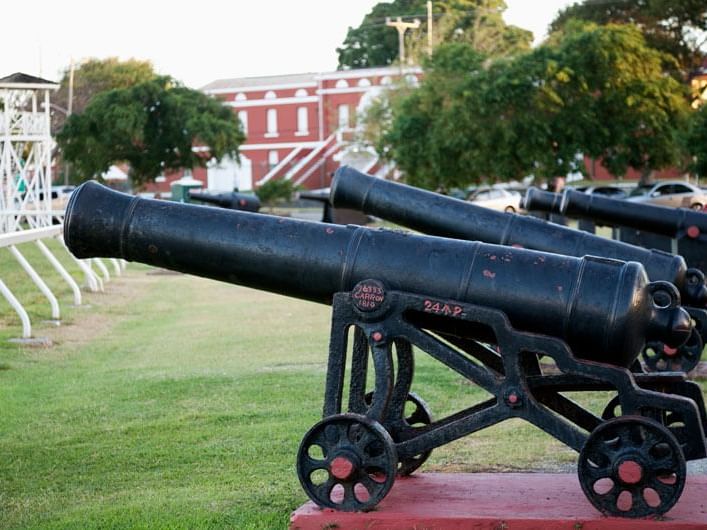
(36, 235)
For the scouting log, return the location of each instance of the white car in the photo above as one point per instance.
(496, 199)
(677, 194)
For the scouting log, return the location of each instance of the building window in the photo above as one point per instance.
(271, 123)
(273, 159)
(241, 96)
(243, 118)
(343, 116)
(341, 83)
(270, 95)
(301, 93)
(363, 82)
(302, 121)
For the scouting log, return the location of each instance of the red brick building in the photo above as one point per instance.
(296, 126)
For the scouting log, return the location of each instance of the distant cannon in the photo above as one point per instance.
(440, 215)
(340, 216)
(637, 223)
(231, 200)
(487, 312)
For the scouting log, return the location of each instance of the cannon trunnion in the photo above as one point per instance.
(465, 305)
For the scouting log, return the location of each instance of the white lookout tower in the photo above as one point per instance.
(25, 152)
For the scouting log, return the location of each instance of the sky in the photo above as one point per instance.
(199, 41)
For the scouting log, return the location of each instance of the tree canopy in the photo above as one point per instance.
(676, 27)
(477, 22)
(696, 141)
(94, 76)
(595, 90)
(153, 126)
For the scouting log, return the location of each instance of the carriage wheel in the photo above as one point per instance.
(659, 357)
(417, 414)
(347, 462)
(632, 467)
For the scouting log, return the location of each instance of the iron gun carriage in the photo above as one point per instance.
(468, 305)
(440, 215)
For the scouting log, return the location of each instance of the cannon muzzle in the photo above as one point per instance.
(536, 199)
(539, 200)
(231, 201)
(605, 309)
(440, 215)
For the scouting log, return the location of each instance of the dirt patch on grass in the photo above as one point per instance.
(95, 317)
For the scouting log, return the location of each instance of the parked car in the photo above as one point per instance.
(60, 196)
(59, 200)
(496, 199)
(677, 194)
(612, 192)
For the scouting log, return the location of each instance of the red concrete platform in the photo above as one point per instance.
(498, 501)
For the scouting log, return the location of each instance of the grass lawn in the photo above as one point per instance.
(178, 402)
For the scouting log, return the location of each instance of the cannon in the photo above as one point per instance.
(339, 216)
(468, 305)
(680, 230)
(231, 200)
(439, 215)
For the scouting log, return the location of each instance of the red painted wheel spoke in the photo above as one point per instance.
(324, 490)
(309, 464)
(597, 473)
(371, 485)
(663, 489)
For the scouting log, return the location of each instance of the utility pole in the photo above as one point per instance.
(429, 27)
(70, 106)
(402, 27)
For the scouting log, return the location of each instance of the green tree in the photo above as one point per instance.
(480, 23)
(275, 191)
(594, 90)
(94, 76)
(432, 134)
(675, 27)
(373, 43)
(628, 113)
(152, 126)
(477, 22)
(696, 142)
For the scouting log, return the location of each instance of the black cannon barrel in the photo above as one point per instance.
(605, 309)
(536, 199)
(445, 216)
(673, 222)
(340, 216)
(230, 200)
